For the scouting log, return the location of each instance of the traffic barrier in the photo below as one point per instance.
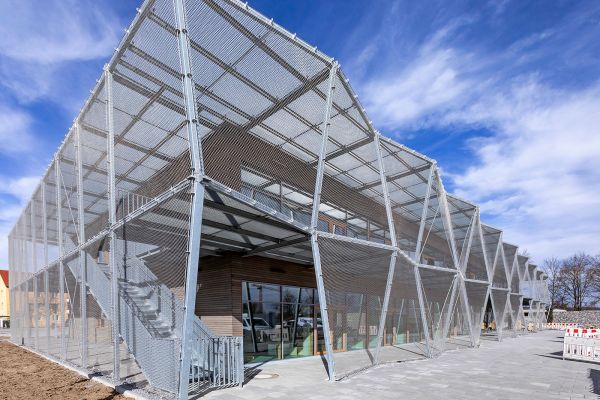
(559, 327)
(581, 348)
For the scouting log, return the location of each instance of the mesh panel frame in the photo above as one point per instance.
(354, 279)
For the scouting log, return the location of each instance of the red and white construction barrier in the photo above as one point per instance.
(581, 348)
(559, 327)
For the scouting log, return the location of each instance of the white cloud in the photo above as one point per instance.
(538, 175)
(57, 31)
(38, 45)
(14, 195)
(15, 131)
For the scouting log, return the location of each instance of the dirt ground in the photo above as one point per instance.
(24, 375)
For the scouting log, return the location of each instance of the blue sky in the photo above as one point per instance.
(505, 95)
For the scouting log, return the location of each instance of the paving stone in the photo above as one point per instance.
(525, 367)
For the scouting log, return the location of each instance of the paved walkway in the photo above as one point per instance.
(529, 367)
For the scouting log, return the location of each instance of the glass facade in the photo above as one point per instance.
(280, 322)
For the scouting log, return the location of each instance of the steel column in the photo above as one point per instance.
(392, 267)
(35, 288)
(82, 259)
(46, 282)
(112, 219)
(197, 207)
(61, 272)
(465, 253)
(315, 219)
(424, 213)
(421, 299)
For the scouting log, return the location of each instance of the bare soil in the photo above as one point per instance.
(25, 375)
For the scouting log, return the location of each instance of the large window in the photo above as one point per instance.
(280, 322)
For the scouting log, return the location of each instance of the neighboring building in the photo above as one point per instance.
(4, 299)
(223, 198)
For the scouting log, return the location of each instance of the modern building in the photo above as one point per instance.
(223, 199)
(4, 299)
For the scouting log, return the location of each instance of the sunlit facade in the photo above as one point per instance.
(223, 199)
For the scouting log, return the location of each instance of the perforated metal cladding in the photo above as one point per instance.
(403, 336)
(354, 278)
(67, 161)
(476, 265)
(437, 293)
(93, 133)
(499, 302)
(477, 299)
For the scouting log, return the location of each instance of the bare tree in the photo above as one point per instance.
(577, 279)
(552, 267)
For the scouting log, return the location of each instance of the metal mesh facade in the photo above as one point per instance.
(214, 130)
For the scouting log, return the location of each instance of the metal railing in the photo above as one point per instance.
(216, 362)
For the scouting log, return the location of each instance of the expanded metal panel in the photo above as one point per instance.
(151, 262)
(407, 176)
(38, 223)
(72, 311)
(260, 112)
(491, 241)
(501, 274)
(515, 315)
(437, 295)
(459, 329)
(477, 299)
(93, 131)
(151, 145)
(54, 295)
(354, 278)
(462, 216)
(99, 340)
(476, 262)
(403, 336)
(499, 303)
(51, 214)
(41, 321)
(522, 262)
(352, 202)
(28, 315)
(69, 200)
(436, 246)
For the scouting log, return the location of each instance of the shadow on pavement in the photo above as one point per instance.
(595, 377)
